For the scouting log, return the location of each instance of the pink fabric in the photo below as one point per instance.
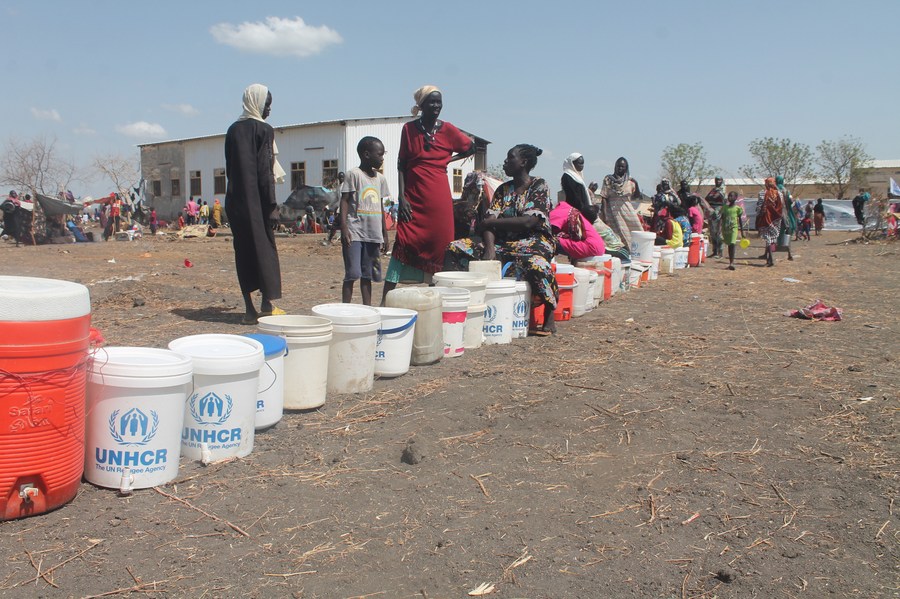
(576, 249)
(817, 311)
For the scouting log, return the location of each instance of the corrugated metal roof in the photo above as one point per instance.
(402, 119)
(283, 127)
(884, 164)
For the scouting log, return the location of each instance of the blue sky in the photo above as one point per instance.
(602, 78)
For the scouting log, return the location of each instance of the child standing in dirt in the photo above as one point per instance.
(363, 228)
(731, 224)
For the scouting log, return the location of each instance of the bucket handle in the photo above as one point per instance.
(274, 377)
(504, 269)
(399, 329)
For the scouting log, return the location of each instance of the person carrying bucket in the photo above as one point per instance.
(363, 227)
(731, 223)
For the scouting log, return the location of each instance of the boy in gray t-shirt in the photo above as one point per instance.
(363, 227)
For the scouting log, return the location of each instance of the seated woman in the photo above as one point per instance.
(669, 230)
(515, 229)
(575, 236)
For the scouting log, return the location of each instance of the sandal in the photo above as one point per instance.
(539, 333)
(249, 319)
(275, 311)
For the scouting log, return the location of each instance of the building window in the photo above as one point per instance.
(298, 175)
(329, 173)
(195, 184)
(156, 188)
(457, 180)
(176, 187)
(218, 181)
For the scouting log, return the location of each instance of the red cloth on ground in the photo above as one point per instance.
(422, 241)
(817, 311)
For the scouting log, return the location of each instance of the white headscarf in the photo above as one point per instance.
(569, 169)
(420, 95)
(255, 97)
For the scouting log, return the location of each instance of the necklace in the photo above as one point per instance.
(429, 135)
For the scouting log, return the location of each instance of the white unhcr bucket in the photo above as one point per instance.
(473, 281)
(681, 258)
(454, 308)
(498, 314)
(270, 397)
(135, 413)
(642, 245)
(521, 310)
(393, 348)
(581, 292)
(306, 362)
(351, 356)
(220, 414)
(473, 332)
(654, 269)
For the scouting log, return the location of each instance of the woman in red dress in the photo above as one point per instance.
(425, 211)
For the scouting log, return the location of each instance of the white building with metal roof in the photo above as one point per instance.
(310, 153)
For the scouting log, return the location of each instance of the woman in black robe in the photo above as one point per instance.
(251, 171)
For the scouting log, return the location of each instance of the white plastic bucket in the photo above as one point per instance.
(592, 301)
(521, 310)
(500, 297)
(634, 274)
(681, 258)
(351, 355)
(473, 332)
(135, 413)
(642, 245)
(306, 362)
(581, 292)
(270, 396)
(393, 348)
(454, 308)
(473, 281)
(220, 414)
(654, 269)
(489, 268)
(428, 341)
(667, 261)
(617, 275)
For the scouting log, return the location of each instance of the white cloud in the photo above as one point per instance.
(83, 130)
(185, 109)
(142, 130)
(277, 37)
(50, 114)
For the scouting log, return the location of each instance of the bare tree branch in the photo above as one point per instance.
(35, 165)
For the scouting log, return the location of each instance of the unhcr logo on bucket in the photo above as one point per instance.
(490, 313)
(210, 409)
(134, 427)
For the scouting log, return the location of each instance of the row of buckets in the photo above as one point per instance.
(122, 417)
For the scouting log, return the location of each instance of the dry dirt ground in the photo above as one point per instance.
(684, 440)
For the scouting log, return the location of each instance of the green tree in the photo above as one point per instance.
(839, 162)
(685, 162)
(773, 157)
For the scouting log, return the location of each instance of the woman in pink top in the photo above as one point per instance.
(694, 214)
(575, 235)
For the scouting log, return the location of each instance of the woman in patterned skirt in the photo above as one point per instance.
(768, 218)
(515, 229)
(615, 208)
